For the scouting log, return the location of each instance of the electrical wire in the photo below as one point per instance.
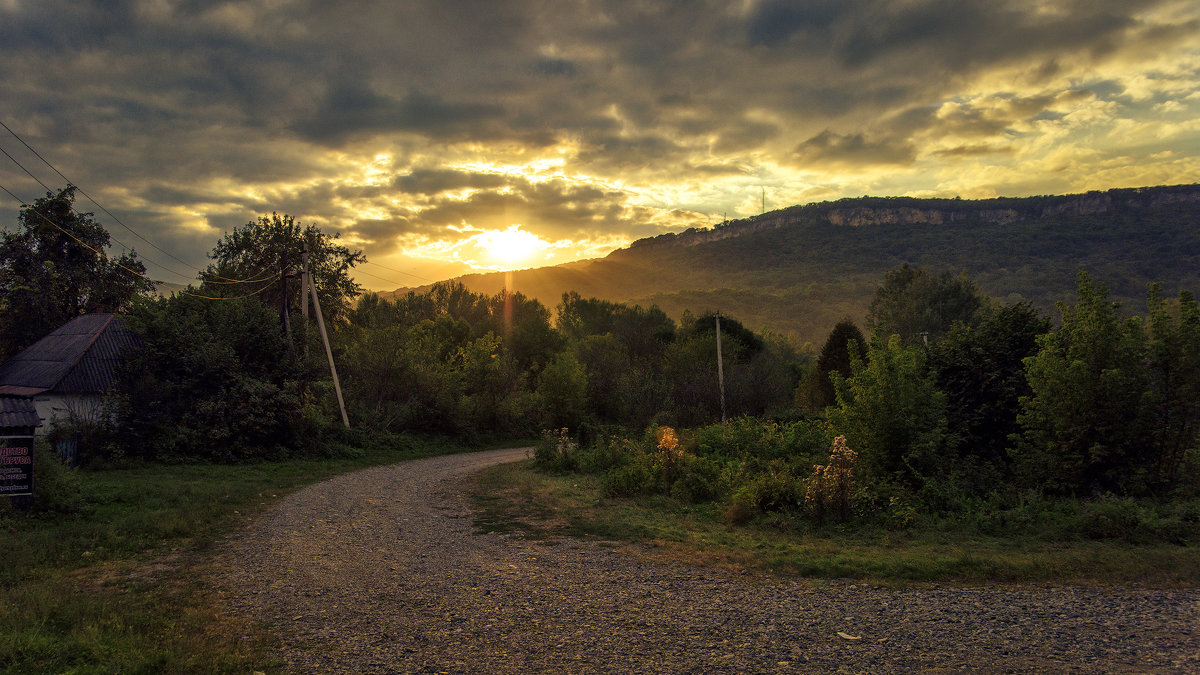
(217, 278)
(373, 276)
(392, 269)
(127, 269)
(100, 206)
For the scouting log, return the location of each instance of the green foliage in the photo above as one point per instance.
(921, 306)
(269, 247)
(213, 380)
(1174, 363)
(556, 451)
(892, 413)
(57, 487)
(562, 392)
(747, 438)
(1086, 422)
(55, 267)
(835, 357)
(982, 372)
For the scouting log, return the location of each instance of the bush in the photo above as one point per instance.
(777, 489)
(556, 451)
(633, 478)
(831, 487)
(746, 437)
(699, 481)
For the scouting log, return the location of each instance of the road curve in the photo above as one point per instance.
(381, 571)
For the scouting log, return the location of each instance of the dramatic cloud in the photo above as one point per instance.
(426, 132)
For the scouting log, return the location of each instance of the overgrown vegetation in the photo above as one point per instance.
(959, 418)
(1038, 540)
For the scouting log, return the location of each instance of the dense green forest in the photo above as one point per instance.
(800, 270)
(942, 399)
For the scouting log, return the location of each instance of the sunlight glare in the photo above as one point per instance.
(509, 247)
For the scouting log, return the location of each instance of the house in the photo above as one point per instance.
(66, 373)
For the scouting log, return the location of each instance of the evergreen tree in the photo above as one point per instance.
(982, 371)
(835, 357)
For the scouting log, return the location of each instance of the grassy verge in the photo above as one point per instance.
(516, 498)
(117, 584)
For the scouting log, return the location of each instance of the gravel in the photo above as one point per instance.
(382, 571)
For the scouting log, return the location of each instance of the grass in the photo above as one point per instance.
(118, 584)
(517, 498)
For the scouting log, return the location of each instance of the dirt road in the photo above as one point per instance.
(381, 571)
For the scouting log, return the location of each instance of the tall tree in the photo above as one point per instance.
(982, 371)
(893, 414)
(1085, 422)
(1174, 360)
(917, 304)
(252, 258)
(835, 357)
(56, 267)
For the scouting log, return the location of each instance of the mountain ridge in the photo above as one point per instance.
(800, 269)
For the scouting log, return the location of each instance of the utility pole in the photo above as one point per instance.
(720, 368)
(337, 385)
(283, 304)
(304, 284)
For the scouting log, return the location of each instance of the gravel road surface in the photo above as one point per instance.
(381, 571)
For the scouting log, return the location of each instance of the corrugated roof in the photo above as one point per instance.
(18, 412)
(78, 358)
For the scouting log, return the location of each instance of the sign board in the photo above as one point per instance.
(16, 466)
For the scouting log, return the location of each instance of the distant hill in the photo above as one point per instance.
(801, 269)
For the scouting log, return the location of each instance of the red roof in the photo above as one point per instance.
(78, 358)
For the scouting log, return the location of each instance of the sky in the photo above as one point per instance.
(443, 137)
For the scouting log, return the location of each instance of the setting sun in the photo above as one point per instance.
(509, 247)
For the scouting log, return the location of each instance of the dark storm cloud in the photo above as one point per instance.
(775, 21)
(434, 181)
(854, 149)
(559, 209)
(215, 112)
(348, 112)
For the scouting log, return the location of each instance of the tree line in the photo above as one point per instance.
(949, 396)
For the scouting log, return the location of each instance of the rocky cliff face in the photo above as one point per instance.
(867, 212)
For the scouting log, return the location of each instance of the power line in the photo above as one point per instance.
(373, 276)
(216, 279)
(392, 269)
(127, 269)
(85, 194)
(50, 190)
(110, 214)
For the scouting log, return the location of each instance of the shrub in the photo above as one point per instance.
(830, 489)
(741, 507)
(699, 481)
(556, 451)
(633, 478)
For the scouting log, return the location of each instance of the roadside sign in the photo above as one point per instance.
(16, 466)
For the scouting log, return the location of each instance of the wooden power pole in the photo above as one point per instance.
(720, 368)
(312, 288)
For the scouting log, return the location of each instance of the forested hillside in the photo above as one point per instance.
(801, 269)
